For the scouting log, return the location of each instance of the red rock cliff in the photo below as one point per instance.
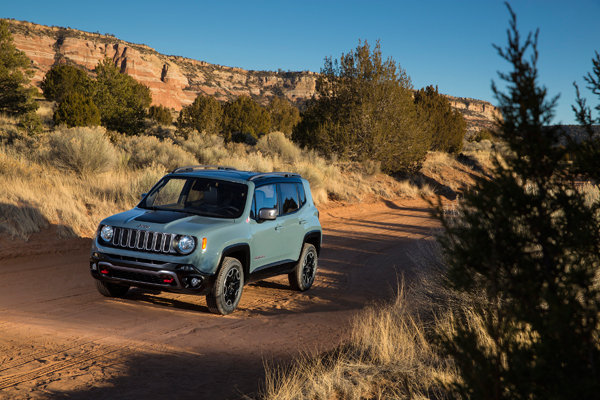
(174, 81)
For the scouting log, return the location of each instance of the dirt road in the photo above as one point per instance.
(59, 338)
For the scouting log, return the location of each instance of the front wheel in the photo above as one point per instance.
(227, 291)
(303, 276)
(109, 289)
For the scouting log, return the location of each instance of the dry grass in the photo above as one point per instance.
(75, 177)
(390, 356)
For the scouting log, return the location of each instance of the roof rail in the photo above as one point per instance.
(196, 167)
(270, 174)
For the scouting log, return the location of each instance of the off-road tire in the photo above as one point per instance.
(109, 289)
(305, 271)
(227, 291)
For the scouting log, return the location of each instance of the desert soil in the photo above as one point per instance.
(59, 338)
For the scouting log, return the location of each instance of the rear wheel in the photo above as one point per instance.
(304, 274)
(109, 289)
(227, 290)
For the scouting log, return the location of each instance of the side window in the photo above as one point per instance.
(301, 193)
(265, 197)
(289, 198)
(253, 213)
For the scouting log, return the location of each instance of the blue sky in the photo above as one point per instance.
(441, 42)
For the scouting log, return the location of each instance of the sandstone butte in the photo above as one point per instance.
(176, 81)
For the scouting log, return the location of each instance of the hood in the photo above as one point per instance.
(165, 221)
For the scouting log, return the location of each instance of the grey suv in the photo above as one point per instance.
(210, 230)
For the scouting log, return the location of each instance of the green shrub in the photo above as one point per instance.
(160, 114)
(31, 123)
(446, 127)
(77, 110)
(484, 134)
(203, 115)
(122, 100)
(16, 95)
(82, 150)
(284, 116)
(62, 80)
(364, 111)
(244, 117)
(144, 151)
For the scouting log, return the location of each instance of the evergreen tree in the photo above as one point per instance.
(122, 100)
(160, 114)
(205, 114)
(243, 117)
(446, 127)
(77, 110)
(64, 79)
(284, 116)
(364, 111)
(530, 242)
(31, 123)
(15, 73)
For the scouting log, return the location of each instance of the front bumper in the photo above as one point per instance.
(150, 274)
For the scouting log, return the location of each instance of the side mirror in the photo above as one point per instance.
(143, 195)
(267, 214)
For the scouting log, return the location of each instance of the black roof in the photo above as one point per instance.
(223, 172)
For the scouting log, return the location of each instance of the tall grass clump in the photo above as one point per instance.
(144, 151)
(390, 356)
(208, 149)
(83, 150)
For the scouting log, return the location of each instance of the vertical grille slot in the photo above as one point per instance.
(137, 239)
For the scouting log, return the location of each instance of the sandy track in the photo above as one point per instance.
(59, 338)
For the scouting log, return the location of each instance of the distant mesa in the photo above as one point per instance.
(176, 81)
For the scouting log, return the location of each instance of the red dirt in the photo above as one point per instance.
(59, 338)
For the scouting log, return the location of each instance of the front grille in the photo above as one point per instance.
(136, 239)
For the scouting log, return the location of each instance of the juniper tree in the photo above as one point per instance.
(160, 114)
(364, 111)
(16, 96)
(446, 127)
(205, 114)
(244, 117)
(77, 110)
(64, 79)
(530, 242)
(122, 100)
(284, 116)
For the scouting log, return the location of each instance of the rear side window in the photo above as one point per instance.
(301, 194)
(289, 198)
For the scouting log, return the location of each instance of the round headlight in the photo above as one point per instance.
(186, 244)
(106, 233)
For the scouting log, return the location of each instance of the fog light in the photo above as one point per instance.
(195, 282)
(94, 267)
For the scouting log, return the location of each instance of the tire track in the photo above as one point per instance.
(79, 362)
(38, 355)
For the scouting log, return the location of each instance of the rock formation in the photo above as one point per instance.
(176, 81)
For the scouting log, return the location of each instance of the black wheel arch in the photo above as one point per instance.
(241, 252)
(314, 238)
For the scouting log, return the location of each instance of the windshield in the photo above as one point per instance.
(201, 196)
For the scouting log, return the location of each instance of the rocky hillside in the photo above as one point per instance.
(176, 81)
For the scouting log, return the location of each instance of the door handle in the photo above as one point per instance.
(278, 228)
(303, 222)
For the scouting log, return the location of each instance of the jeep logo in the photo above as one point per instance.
(142, 226)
